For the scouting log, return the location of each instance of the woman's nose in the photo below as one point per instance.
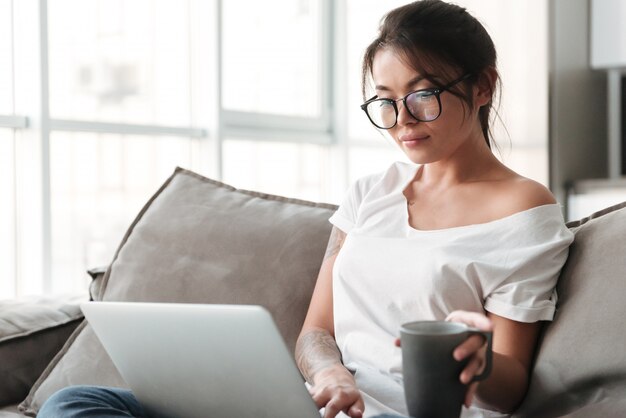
(404, 117)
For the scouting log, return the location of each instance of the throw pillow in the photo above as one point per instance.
(201, 241)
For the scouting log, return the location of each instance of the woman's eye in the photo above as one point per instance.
(423, 96)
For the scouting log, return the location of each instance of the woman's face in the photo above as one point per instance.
(424, 142)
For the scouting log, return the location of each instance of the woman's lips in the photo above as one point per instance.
(413, 140)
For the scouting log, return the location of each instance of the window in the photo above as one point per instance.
(262, 95)
(520, 31)
(99, 183)
(120, 61)
(287, 169)
(281, 42)
(6, 57)
(122, 113)
(275, 64)
(275, 97)
(7, 214)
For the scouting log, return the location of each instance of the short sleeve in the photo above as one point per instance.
(346, 216)
(522, 284)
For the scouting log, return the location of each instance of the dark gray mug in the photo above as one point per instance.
(431, 375)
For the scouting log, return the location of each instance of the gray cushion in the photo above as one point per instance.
(32, 331)
(581, 364)
(201, 241)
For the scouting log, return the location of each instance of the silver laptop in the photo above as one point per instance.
(186, 360)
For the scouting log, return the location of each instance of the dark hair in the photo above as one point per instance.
(437, 38)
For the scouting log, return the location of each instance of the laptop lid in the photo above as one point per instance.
(190, 360)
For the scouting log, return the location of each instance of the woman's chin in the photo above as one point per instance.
(419, 157)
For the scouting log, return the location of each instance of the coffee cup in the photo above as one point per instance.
(432, 383)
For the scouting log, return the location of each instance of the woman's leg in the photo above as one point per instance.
(91, 401)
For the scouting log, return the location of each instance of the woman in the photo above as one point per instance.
(456, 235)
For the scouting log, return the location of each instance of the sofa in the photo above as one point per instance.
(198, 240)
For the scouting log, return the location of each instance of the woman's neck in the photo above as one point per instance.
(472, 161)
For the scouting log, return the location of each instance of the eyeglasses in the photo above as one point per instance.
(423, 105)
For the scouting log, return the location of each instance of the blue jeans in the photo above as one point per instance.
(91, 402)
(99, 402)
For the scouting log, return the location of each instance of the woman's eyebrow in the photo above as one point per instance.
(414, 81)
(408, 85)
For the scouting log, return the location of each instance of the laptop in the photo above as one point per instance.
(191, 360)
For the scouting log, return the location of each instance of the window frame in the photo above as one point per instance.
(261, 125)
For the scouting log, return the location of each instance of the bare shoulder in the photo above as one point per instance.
(519, 193)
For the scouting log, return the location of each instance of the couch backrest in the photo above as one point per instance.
(580, 365)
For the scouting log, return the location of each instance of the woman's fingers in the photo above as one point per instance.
(474, 349)
(356, 410)
(469, 347)
(472, 319)
(474, 367)
(337, 398)
(331, 410)
(320, 397)
(343, 402)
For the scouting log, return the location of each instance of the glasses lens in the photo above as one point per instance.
(382, 113)
(423, 105)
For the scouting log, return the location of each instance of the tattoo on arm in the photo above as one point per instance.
(315, 351)
(337, 237)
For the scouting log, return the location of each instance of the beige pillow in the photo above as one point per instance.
(201, 241)
(580, 367)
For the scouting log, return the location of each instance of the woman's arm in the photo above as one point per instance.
(514, 342)
(513, 348)
(316, 348)
(317, 355)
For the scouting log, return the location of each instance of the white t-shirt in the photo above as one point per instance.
(388, 273)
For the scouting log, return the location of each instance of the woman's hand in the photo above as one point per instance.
(336, 391)
(474, 348)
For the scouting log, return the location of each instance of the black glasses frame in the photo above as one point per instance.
(436, 91)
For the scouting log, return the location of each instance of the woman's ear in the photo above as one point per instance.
(485, 86)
